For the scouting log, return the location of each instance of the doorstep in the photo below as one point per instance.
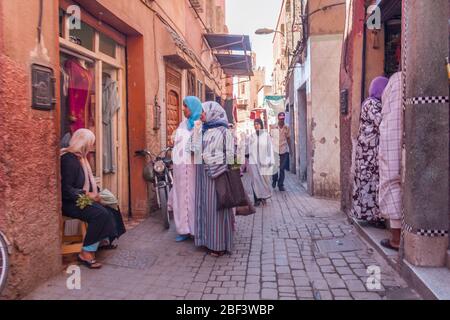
(374, 236)
(430, 283)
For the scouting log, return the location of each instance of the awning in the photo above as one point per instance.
(235, 64)
(228, 42)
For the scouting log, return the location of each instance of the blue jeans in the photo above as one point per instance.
(284, 162)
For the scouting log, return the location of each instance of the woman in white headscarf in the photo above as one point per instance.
(77, 179)
(214, 229)
(261, 163)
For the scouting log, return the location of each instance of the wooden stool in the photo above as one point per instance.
(72, 244)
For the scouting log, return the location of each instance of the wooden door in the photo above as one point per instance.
(173, 102)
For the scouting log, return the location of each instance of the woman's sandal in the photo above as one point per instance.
(91, 264)
(216, 253)
(108, 247)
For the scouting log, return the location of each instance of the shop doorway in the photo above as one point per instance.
(293, 154)
(302, 135)
(93, 96)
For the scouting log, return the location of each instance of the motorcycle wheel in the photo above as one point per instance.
(164, 211)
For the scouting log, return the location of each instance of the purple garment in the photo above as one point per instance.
(377, 87)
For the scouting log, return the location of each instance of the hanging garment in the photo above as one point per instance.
(80, 86)
(110, 105)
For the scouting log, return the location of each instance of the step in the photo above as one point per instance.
(430, 283)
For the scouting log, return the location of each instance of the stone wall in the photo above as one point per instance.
(29, 161)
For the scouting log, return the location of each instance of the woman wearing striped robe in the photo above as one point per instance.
(213, 228)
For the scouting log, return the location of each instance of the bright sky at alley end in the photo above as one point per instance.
(245, 16)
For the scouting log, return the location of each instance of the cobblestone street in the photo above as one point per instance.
(297, 247)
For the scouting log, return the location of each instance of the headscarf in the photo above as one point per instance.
(377, 87)
(195, 106)
(215, 115)
(258, 120)
(80, 144)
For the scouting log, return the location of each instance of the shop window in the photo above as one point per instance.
(107, 45)
(200, 90)
(78, 97)
(392, 46)
(209, 94)
(84, 36)
(191, 84)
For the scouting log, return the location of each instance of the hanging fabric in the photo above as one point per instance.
(110, 105)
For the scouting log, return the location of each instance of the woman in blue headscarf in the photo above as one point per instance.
(182, 195)
(366, 178)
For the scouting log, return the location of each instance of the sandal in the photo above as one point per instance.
(108, 247)
(387, 244)
(91, 264)
(181, 237)
(216, 253)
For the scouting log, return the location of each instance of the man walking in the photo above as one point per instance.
(282, 138)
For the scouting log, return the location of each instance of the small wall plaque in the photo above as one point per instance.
(43, 87)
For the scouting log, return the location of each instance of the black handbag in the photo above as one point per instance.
(230, 190)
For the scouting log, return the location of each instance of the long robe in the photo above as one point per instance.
(366, 179)
(261, 164)
(214, 228)
(182, 195)
(390, 153)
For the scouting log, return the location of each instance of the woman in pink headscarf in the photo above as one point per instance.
(104, 223)
(366, 178)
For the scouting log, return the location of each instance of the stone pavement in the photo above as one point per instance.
(297, 247)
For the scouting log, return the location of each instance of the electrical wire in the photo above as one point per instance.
(39, 28)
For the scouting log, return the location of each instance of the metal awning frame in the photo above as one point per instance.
(223, 47)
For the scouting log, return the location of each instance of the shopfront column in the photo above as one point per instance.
(426, 183)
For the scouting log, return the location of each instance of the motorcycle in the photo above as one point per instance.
(158, 172)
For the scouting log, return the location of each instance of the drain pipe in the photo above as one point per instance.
(364, 50)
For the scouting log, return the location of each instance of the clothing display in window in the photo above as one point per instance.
(80, 86)
(110, 105)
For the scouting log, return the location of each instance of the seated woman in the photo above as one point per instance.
(104, 224)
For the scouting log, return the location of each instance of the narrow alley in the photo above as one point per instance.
(297, 247)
